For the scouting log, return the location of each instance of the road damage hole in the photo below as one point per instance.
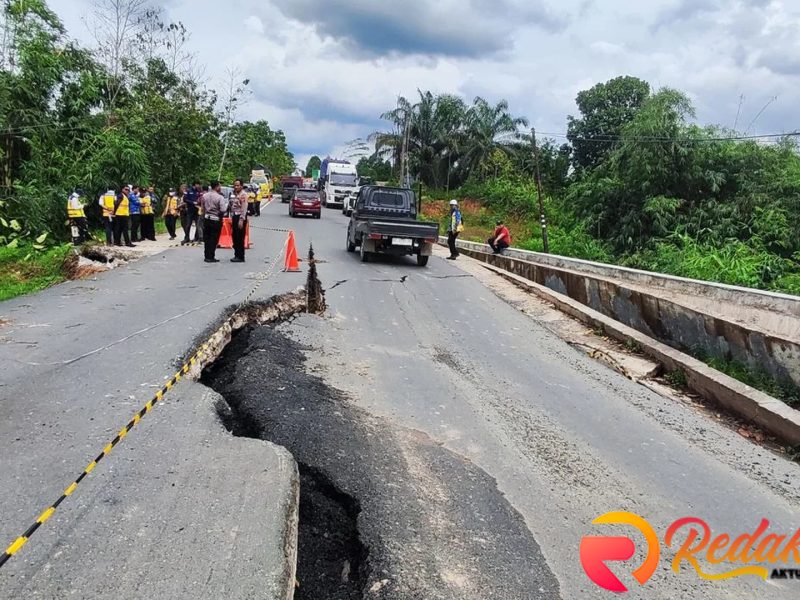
(386, 513)
(330, 555)
(331, 560)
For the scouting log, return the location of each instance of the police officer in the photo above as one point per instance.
(214, 206)
(77, 217)
(238, 220)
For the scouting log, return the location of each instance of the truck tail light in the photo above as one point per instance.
(375, 236)
(431, 240)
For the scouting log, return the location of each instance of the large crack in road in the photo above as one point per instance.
(385, 511)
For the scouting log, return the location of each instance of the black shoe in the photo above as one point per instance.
(211, 260)
(451, 257)
(237, 260)
(131, 245)
(184, 242)
(172, 237)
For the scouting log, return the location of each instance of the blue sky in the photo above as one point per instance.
(323, 71)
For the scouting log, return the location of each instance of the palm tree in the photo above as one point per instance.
(390, 144)
(440, 137)
(487, 128)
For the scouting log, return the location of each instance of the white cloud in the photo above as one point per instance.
(326, 81)
(254, 25)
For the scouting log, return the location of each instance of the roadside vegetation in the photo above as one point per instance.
(634, 182)
(24, 269)
(133, 108)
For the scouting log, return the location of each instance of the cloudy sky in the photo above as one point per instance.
(323, 70)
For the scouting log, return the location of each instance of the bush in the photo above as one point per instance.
(733, 262)
(24, 269)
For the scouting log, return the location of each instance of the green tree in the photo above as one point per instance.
(554, 163)
(374, 167)
(443, 139)
(96, 119)
(250, 144)
(314, 164)
(605, 109)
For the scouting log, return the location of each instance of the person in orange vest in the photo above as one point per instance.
(122, 216)
(77, 218)
(106, 203)
(171, 212)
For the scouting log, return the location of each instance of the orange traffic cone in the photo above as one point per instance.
(226, 236)
(291, 264)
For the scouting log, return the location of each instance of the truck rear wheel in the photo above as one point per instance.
(422, 260)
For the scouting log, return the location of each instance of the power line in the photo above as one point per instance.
(602, 138)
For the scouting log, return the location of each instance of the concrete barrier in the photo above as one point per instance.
(773, 416)
(753, 327)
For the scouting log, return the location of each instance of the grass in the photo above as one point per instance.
(676, 379)
(755, 378)
(24, 270)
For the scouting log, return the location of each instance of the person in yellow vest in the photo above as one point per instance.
(251, 200)
(148, 218)
(106, 203)
(122, 218)
(77, 217)
(171, 212)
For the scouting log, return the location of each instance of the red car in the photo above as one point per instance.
(305, 201)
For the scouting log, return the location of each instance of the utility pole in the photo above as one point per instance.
(538, 176)
(402, 175)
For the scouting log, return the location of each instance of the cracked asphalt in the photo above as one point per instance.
(564, 437)
(561, 438)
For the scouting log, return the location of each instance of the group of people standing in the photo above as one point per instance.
(129, 215)
(214, 207)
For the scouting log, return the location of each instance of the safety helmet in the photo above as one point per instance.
(453, 202)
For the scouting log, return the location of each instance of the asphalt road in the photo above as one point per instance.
(180, 509)
(431, 350)
(565, 438)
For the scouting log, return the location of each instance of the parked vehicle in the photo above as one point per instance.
(349, 203)
(338, 180)
(288, 185)
(305, 201)
(384, 221)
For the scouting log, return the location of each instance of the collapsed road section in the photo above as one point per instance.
(385, 511)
